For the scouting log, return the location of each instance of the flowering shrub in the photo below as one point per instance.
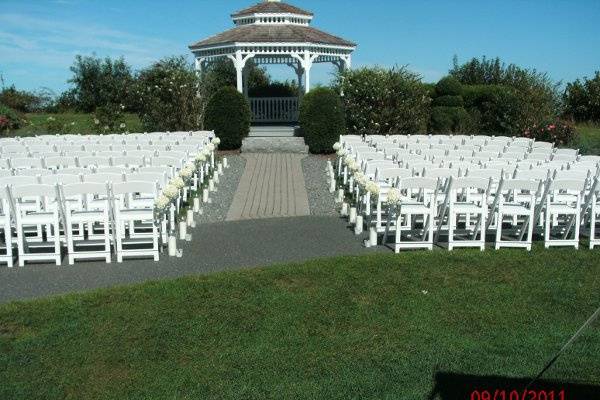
(9, 119)
(383, 101)
(109, 119)
(558, 132)
(170, 96)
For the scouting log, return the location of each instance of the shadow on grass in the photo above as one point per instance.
(453, 386)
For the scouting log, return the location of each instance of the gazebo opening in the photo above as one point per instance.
(274, 33)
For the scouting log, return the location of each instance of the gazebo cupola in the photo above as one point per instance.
(274, 32)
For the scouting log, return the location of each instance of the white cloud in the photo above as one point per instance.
(42, 43)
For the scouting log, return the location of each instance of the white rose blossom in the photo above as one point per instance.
(216, 141)
(337, 146)
(341, 152)
(210, 147)
(201, 157)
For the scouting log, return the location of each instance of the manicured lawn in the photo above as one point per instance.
(589, 139)
(368, 327)
(83, 123)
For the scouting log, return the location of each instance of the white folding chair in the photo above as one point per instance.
(468, 199)
(25, 216)
(74, 206)
(517, 200)
(563, 212)
(415, 215)
(123, 213)
(594, 214)
(6, 227)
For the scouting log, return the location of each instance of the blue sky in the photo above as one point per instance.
(39, 38)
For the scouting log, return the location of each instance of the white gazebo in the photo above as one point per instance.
(273, 32)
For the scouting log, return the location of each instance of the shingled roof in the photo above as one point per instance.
(271, 7)
(253, 33)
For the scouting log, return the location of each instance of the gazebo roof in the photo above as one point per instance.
(271, 7)
(254, 33)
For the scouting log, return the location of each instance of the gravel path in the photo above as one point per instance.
(215, 247)
(223, 197)
(315, 177)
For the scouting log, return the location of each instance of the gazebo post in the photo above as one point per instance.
(245, 78)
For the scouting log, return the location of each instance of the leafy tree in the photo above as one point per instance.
(536, 94)
(582, 99)
(100, 82)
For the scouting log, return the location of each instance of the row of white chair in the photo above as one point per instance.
(574, 181)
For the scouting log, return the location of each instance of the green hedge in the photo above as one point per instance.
(446, 120)
(228, 114)
(448, 101)
(322, 120)
(498, 108)
(448, 86)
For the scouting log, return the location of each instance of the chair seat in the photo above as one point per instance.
(414, 208)
(514, 209)
(38, 218)
(464, 208)
(558, 208)
(86, 216)
(137, 214)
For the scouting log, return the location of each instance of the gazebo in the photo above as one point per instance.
(273, 32)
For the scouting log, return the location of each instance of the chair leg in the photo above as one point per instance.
(577, 228)
(57, 247)
(499, 231)
(530, 231)
(593, 225)
(547, 229)
(451, 218)
(20, 245)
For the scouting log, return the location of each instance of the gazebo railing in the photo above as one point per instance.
(274, 109)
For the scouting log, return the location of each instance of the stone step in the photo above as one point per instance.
(272, 131)
(274, 145)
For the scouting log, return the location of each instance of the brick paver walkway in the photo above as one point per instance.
(272, 186)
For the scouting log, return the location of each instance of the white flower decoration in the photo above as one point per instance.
(201, 157)
(171, 191)
(337, 146)
(372, 187)
(341, 152)
(216, 141)
(393, 196)
(177, 182)
(210, 147)
(360, 179)
(162, 202)
(186, 172)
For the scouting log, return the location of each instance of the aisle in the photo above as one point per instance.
(272, 186)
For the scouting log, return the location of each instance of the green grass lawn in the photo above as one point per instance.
(589, 139)
(369, 327)
(83, 123)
